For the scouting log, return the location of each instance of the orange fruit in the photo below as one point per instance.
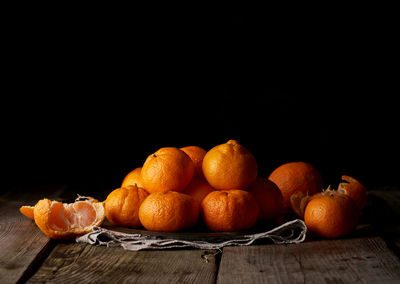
(198, 189)
(168, 211)
(351, 187)
(167, 169)
(229, 210)
(295, 177)
(268, 197)
(299, 201)
(331, 214)
(122, 206)
(27, 211)
(62, 221)
(229, 166)
(133, 178)
(355, 190)
(196, 154)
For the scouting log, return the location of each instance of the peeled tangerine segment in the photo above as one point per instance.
(80, 214)
(58, 221)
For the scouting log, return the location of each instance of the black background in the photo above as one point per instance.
(87, 99)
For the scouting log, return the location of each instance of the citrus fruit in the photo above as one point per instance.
(350, 187)
(133, 178)
(298, 202)
(168, 211)
(229, 210)
(355, 190)
(122, 206)
(268, 197)
(197, 154)
(295, 177)
(27, 211)
(229, 166)
(198, 189)
(331, 214)
(167, 169)
(68, 220)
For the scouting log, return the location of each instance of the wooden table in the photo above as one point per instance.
(369, 255)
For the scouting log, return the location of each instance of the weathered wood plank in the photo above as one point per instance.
(366, 260)
(22, 244)
(77, 262)
(391, 197)
(383, 208)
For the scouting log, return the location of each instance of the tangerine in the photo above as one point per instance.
(295, 177)
(198, 189)
(229, 210)
(168, 211)
(167, 169)
(122, 206)
(229, 166)
(197, 154)
(68, 220)
(269, 198)
(331, 214)
(351, 187)
(133, 178)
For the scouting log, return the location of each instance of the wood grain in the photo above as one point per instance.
(22, 244)
(383, 208)
(366, 260)
(74, 263)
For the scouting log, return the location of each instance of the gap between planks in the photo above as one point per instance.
(86, 263)
(365, 260)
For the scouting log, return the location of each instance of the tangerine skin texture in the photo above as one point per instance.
(296, 177)
(122, 206)
(198, 189)
(230, 166)
(133, 178)
(229, 210)
(268, 197)
(167, 169)
(331, 215)
(168, 211)
(197, 154)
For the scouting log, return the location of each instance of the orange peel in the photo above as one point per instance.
(68, 220)
(354, 189)
(27, 211)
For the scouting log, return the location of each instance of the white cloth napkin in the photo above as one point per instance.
(290, 232)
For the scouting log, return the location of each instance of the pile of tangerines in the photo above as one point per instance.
(175, 189)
